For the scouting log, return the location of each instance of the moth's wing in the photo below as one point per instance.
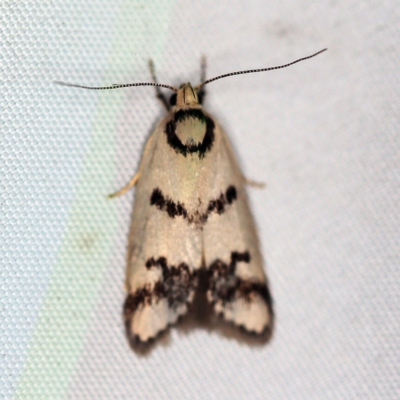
(238, 288)
(164, 251)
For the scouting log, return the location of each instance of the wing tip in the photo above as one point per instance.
(147, 323)
(139, 346)
(263, 334)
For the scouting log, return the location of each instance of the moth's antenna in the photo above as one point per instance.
(250, 71)
(203, 68)
(160, 94)
(124, 85)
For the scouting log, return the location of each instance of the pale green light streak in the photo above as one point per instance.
(84, 254)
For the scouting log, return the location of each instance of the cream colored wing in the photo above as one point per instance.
(164, 250)
(165, 240)
(238, 288)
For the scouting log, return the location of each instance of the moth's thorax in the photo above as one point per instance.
(187, 97)
(190, 127)
(188, 124)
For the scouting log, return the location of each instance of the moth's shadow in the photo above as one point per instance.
(202, 316)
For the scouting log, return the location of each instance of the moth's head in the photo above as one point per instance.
(186, 97)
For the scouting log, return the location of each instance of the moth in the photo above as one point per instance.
(191, 217)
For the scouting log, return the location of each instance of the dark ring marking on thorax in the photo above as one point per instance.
(177, 145)
(176, 209)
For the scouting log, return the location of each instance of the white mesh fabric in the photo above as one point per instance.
(323, 135)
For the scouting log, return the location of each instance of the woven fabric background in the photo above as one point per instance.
(323, 134)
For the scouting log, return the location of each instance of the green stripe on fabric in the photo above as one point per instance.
(84, 254)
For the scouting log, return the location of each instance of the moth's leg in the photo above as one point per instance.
(203, 66)
(127, 187)
(133, 181)
(257, 184)
(160, 94)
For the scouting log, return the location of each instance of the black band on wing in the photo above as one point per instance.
(177, 284)
(176, 209)
(164, 203)
(177, 145)
(219, 205)
(219, 269)
(225, 286)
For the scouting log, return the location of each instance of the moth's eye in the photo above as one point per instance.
(200, 96)
(172, 99)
